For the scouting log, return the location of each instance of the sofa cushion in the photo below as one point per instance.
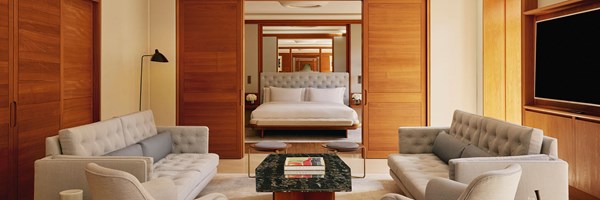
(447, 147)
(465, 126)
(474, 151)
(185, 181)
(188, 162)
(92, 139)
(507, 139)
(138, 126)
(158, 146)
(131, 150)
(415, 170)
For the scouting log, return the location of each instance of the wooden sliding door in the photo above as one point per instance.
(395, 71)
(5, 103)
(210, 70)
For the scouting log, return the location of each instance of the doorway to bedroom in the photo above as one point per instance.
(290, 44)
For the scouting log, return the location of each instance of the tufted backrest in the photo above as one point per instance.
(465, 126)
(507, 139)
(306, 80)
(92, 139)
(138, 126)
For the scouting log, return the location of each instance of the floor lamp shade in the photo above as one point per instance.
(156, 57)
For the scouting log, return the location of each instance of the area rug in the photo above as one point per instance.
(239, 186)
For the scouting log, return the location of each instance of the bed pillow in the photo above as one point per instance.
(332, 95)
(266, 95)
(286, 94)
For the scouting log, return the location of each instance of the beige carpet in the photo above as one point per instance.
(239, 186)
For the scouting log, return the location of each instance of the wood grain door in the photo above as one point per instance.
(37, 83)
(77, 62)
(210, 70)
(5, 102)
(395, 71)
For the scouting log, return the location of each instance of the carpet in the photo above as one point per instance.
(239, 186)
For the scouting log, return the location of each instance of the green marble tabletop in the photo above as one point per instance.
(270, 176)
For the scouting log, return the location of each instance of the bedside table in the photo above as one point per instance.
(251, 106)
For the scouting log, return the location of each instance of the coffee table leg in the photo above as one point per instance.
(304, 195)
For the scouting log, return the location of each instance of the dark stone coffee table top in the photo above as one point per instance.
(270, 176)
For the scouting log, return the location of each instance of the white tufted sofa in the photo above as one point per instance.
(507, 143)
(189, 165)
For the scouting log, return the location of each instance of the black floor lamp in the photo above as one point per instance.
(156, 57)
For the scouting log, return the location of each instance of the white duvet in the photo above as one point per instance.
(304, 111)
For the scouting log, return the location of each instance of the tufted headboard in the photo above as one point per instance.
(307, 79)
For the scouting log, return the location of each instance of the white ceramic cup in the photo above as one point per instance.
(74, 194)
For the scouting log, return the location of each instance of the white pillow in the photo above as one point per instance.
(333, 95)
(286, 94)
(266, 95)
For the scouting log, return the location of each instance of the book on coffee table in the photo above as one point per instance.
(304, 163)
(304, 176)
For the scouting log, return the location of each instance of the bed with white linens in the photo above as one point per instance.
(304, 101)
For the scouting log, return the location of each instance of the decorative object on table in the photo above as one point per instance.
(304, 163)
(156, 57)
(251, 98)
(357, 97)
(73, 194)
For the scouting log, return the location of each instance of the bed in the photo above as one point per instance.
(309, 101)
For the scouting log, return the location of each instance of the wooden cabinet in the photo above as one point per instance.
(587, 160)
(210, 71)
(395, 71)
(46, 66)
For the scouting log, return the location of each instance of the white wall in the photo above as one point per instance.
(453, 49)
(269, 56)
(355, 57)
(251, 58)
(124, 40)
(339, 54)
(162, 82)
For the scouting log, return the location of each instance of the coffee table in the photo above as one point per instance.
(270, 178)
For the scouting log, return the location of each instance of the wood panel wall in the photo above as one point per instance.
(395, 70)
(502, 23)
(5, 108)
(210, 71)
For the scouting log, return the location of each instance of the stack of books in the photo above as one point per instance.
(304, 167)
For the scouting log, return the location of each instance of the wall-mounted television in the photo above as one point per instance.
(567, 58)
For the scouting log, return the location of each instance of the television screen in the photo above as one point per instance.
(567, 58)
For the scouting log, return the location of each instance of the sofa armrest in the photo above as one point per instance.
(394, 196)
(188, 139)
(161, 188)
(441, 188)
(414, 140)
(549, 176)
(57, 173)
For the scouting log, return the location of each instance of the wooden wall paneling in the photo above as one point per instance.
(286, 62)
(586, 159)
(210, 71)
(514, 13)
(325, 62)
(37, 83)
(77, 62)
(394, 71)
(5, 103)
(494, 72)
(561, 128)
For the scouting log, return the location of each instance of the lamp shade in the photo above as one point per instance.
(158, 57)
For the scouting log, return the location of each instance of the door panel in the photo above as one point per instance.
(210, 71)
(395, 71)
(5, 112)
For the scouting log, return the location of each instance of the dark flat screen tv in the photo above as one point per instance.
(567, 58)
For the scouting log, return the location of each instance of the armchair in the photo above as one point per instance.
(492, 185)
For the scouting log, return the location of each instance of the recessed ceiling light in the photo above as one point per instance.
(303, 4)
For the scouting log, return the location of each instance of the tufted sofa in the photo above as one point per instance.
(186, 160)
(501, 144)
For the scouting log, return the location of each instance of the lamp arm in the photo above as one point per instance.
(141, 75)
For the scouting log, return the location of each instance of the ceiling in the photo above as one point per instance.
(304, 29)
(330, 10)
(304, 42)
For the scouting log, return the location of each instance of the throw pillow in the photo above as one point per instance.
(131, 150)
(473, 151)
(158, 146)
(446, 147)
(286, 94)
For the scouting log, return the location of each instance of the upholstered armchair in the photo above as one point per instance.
(492, 185)
(110, 184)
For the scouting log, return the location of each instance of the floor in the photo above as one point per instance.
(300, 136)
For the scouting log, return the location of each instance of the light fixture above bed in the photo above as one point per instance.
(303, 4)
